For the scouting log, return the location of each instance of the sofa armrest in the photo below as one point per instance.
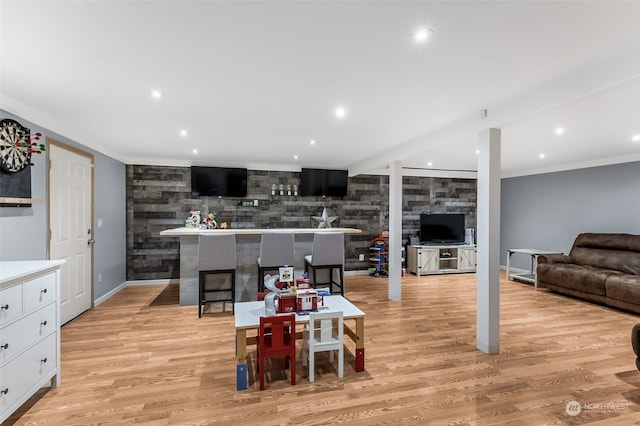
(635, 339)
(635, 343)
(554, 258)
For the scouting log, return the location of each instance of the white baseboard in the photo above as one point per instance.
(107, 296)
(515, 270)
(152, 282)
(132, 283)
(116, 290)
(357, 272)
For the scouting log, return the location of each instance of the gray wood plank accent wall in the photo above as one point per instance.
(159, 198)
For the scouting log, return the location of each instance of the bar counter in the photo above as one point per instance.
(247, 253)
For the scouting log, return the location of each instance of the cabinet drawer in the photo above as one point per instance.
(10, 303)
(39, 291)
(21, 374)
(19, 335)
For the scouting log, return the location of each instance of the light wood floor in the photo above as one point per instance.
(141, 358)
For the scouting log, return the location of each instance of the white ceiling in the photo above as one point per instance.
(253, 82)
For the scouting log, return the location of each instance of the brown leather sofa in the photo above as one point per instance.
(602, 268)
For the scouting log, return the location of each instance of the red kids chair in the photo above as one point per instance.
(277, 338)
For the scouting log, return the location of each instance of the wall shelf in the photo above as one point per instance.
(12, 201)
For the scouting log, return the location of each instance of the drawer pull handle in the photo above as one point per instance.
(5, 346)
(43, 322)
(44, 360)
(5, 307)
(44, 290)
(5, 391)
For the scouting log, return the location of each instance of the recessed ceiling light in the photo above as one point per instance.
(183, 133)
(341, 112)
(312, 142)
(636, 137)
(429, 164)
(195, 151)
(559, 131)
(295, 157)
(541, 155)
(477, 151)
(156, 94)
(422, 35)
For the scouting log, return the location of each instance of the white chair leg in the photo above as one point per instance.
(311, 366)
(341, 362)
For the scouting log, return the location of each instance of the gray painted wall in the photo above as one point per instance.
(23, 229)
(110, 250)
(548, 211)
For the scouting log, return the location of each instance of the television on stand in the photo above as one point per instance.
(442, 228)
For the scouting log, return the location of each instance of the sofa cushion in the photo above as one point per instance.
(620, 252)
(623, 287)
(622, 242)
(586, 279)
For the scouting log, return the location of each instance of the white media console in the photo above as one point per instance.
(441, 259)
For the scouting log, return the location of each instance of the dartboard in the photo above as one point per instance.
(15, 146)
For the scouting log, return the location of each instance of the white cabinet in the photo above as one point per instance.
(467, 259)
(29, 330)
(423, 260)
(10, 304)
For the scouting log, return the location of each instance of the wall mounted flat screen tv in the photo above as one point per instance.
(218, 182)
(442, 228)
(323, 182)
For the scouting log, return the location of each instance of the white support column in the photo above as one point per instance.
(488, 240)
(395, 230)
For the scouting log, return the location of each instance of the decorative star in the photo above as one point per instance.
(324, 221)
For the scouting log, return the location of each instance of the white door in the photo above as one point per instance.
(70, 219)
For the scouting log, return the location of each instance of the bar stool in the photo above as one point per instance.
(216, 255)
(327, 253)
(276, 250)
